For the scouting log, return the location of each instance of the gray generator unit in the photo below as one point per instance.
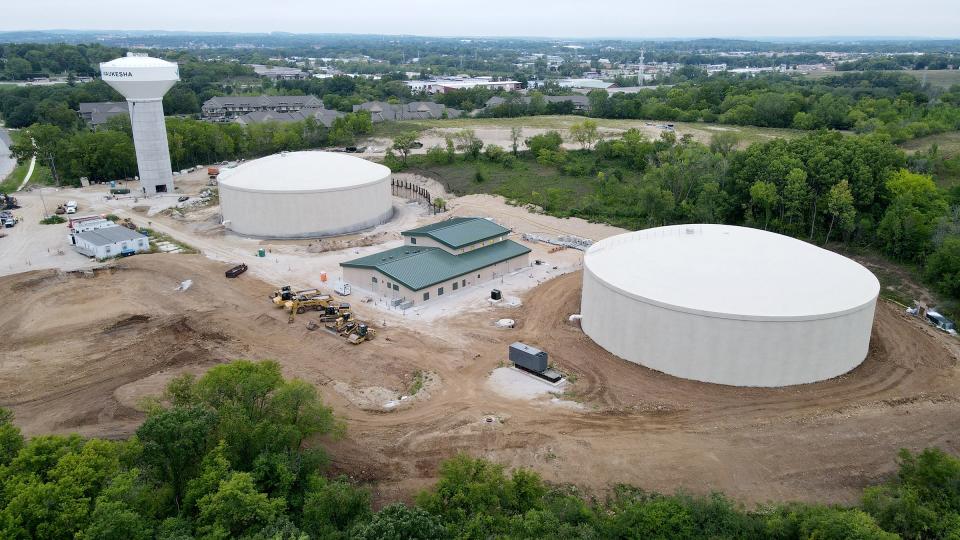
(528, 358)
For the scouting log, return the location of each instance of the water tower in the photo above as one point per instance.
(143, 81)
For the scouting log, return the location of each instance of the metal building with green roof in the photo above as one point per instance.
(438, 259)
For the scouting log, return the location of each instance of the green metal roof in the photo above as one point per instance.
(459, 232)
(417, 268)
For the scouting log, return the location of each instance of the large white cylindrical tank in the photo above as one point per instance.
(143, 81)
(728, 305)
(305, 195)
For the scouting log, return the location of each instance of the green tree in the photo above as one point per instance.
(942, 269)
(516, 135)
(11, 440)
(398, 522)
(907, 226)
(237, 508)
(469, 143)
(551, 140)
(173, 439)
(724, 142)
(585, 133)
(333, 505)
(764, 195)
(840, 207)
(796, 197)
(403, 143)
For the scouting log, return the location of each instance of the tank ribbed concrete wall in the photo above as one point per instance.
(723, 348)
(274, 206)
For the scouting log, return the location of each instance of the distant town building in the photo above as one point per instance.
(279, 73)
(323, 116)
(227, 108)
(381, 111)
(442, 86)
(96, 114)
(585, 84)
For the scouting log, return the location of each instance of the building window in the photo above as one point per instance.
(396, 287)
(439, 291)
(373, 279)
(426, 296)
(413, 240)
(463, 283)
(455, 285)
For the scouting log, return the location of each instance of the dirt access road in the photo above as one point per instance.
(82, 349)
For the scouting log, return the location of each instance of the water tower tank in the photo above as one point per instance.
(143, 81)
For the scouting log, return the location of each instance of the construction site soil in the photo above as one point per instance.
(82, 349)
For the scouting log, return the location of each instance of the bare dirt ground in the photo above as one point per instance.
(81, 349)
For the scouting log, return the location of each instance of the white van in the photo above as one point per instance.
(71, 207)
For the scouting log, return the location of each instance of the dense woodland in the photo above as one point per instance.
(892, 103)
(238, 453)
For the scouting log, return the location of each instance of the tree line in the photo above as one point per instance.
(237, 453)
(108, 153)
(895, 104)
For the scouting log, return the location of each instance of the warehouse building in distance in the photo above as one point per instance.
(436, 260)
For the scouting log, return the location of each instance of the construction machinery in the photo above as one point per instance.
(286, 294)
(8, 202)
(355, 331)
(299, 302)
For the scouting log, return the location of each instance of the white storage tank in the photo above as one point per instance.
(305, 195)
(728, 305)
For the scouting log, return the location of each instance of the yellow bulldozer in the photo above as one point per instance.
(355, 331)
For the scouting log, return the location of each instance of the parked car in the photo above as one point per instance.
(941, 322)
(183, 198)
(71, 207)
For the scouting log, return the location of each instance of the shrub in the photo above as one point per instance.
(550, 140)
(52, 220)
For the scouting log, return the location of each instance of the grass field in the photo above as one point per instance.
(939, 78)
(948, 143)
(700, 130)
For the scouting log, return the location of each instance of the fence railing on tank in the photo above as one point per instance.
(409, 190)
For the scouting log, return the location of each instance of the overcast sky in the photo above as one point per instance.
(554, 18)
